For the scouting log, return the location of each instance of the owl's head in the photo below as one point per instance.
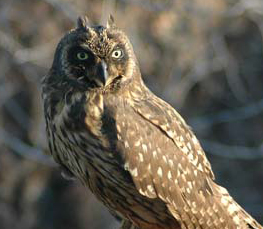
(95, 56)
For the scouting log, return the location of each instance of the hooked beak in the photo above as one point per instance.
(102, 73)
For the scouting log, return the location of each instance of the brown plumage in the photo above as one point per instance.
(132, 149)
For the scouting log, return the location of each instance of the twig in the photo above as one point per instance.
(107, 9)
(7, 91)
(151, 5)
(243, 5)
(200, 70)
(40, 52)
(233, 151)
(8, 43)
(237, 114)
(65, 7)
(21, 54)
(24, 150)
(229, 64)
(18, 113)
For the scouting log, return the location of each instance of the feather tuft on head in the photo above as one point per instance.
(82, 23)
(110, 22)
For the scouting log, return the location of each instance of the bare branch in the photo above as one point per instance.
(233, 151)
(243, 6)
(152, 5)
(7, 90)
(108, 7)
(237, 114)
(24, 150)
(200, 71)
(66, 7)
(21, 55)
(38, 53)
(229, 64)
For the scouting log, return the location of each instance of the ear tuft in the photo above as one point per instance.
(82, 23)
(110, 22)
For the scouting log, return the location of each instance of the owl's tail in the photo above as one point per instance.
(211, 207)
(235, 212)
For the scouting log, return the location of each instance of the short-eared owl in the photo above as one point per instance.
(132, 149)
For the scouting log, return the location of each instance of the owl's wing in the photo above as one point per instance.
(166, 161)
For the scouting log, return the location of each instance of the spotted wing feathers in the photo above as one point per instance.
(167, 162)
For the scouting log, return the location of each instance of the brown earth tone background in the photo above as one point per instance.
(203, 57)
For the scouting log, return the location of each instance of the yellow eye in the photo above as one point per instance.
(117, 54)
(82, 56)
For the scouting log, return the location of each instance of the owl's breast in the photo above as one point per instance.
(88, 138)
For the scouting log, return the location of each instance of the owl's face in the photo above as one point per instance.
(95, 57)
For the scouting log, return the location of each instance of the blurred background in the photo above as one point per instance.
(203, 57)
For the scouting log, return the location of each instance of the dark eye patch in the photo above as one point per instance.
(78, 51)
(81, 61)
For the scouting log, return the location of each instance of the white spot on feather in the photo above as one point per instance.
(133, 94)
(224, 201)
(149, 167)
(140, 157)
(150, 188)
(155, 121)
(223, 190)
(126, 144)
(202, 211)
(194, 139)
(150, 145)
(180, 167)
(194, 211)
(222, 220)
(96, 112)
(164, 127)
(232, 208)
(137, 143)
(236, 219)
(189, 146)
(142, 192)
(160, 172)
(148, 116)
(190, 184)
(169, 175)
(134, 172)
(161, 196)
(185, 149)
(171, 133)
(200, 167)
(171, 163)
(215, 208)
(191, 157)
(144, 148)
(194, 161)
(200, 152)
(126, 166)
